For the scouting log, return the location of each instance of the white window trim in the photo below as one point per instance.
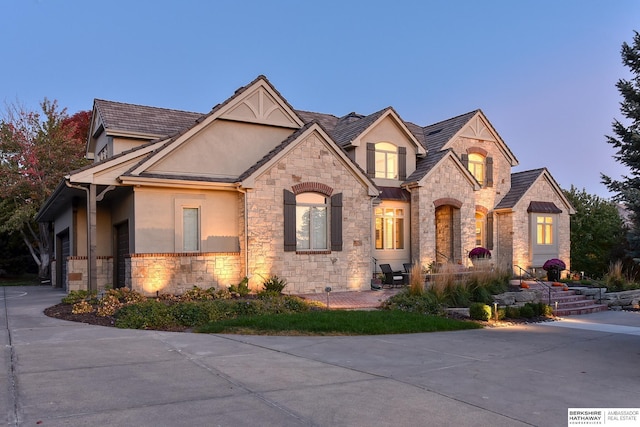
(180, 205)
(385, 173)
(327, 206)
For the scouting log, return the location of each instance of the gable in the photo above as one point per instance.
(388, 127)
(307, 152)
(476, 128)
(262, 105)
(449, 169)
(479, 131)
(222, 150)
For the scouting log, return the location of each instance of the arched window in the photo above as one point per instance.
(311, 221)
(477, 167)
(386, 160)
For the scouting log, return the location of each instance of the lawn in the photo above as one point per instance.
(337, 322)
(23, 280)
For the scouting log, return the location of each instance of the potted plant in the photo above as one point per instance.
(480, 256)
(553, 267)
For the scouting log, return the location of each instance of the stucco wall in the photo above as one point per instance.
(158, 214)
(223, 149)
(350, 269)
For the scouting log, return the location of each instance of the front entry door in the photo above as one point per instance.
(122, 250)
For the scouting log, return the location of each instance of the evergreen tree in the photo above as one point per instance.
(627, 142)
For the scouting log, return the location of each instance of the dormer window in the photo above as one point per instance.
(386, 161)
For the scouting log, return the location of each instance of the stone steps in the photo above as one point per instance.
(567, 302)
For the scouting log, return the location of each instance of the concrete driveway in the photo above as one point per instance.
(58, 373)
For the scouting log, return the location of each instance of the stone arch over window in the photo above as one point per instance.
(312, 187)
(309, 215)
(447, 201)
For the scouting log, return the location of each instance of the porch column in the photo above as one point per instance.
(92, 237)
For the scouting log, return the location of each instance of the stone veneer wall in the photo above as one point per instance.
(503, 225)
(310, 161)
(78, 273)
(540, 191)
(446, 182)
(174, 273)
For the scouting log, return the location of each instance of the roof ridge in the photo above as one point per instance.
(148, 106)
(453, 118)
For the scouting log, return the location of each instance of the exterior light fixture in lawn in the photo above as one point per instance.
(328, 291)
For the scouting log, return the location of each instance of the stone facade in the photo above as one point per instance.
(540, 190)
(350, 269)
(77, 271)
(151, 274)
(443, 183)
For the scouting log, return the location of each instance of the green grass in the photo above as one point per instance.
(23, 280)
(337, 322)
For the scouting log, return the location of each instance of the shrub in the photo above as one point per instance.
(150, 314)
(242, 288)
(76, 296)
(82, 307)
(479, 311)
(526, 311)
(190, 313)
(274, 284)
(404, 301)
(512, 312)
(108, 305)
(196, 294)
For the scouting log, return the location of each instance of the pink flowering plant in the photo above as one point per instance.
(554, 264)
(479, 252)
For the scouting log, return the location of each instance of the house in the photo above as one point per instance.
(255, 188)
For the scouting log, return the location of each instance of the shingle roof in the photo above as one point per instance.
(327, 121)
(520, 183)
(438, 134)
(144, 119)
(424, 165)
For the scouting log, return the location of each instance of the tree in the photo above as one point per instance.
(597, 233)
(36, 150)
(627, 143)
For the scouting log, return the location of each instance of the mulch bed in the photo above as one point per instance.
(63, 311)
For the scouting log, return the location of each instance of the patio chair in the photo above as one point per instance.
(391, 278)
(407, 267)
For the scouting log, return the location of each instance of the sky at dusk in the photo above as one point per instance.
(542, 71)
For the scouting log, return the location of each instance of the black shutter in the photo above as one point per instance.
(402, 163)
(336, 222)
(289, 221)
(371, 159)
(490, 231)
(465, 160)
(489, 172)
